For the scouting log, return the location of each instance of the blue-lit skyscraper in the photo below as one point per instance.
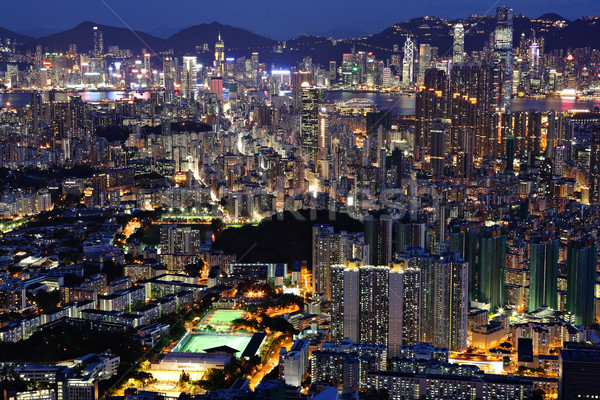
(491, 267)
(582, 257)
(543, 272)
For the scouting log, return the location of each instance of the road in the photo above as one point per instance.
(275, 312)
(273, 362)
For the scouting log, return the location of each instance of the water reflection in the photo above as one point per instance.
(405, 104)
(20, 100)
(399, 104)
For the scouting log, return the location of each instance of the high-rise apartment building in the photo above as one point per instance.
(578, 372)
(404, 305)
(491, 264)
(378, 234)
(376, 304)
(417, 258)
(329, 248)
(450, 278)
(293, 364)
(437, 152)
(543, 272)
(463, 240)
(373, 307)
(582, 258)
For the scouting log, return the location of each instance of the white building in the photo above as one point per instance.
(294, 363)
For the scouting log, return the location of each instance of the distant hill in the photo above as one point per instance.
(20, 38)
(164, 31)
(321, 48)
(36, 33)
(553, 17)
(83, 37)
(237, 41)
(341, 33)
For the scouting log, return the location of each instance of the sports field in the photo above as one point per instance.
(221, 320)
(200, 342)
(202, 339)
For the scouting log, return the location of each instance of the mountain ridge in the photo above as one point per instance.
(437, 32)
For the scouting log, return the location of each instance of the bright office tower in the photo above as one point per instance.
(458, 48)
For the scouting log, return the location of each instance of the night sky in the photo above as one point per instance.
(278, 19)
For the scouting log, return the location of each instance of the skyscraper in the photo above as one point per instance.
(578, 371)
(397, 165)
(543, 272)
(424, 61)
(324, 138)
(220, 56)
(582, 257)
(299, 78)
(309, 123)
(351, 301)
(438, 147)
(404, 305)
(510, 153)
(373, 307)
(216, 86)
(321, 257)
(489, 282)
(450, 302)
(37, 106)
(328, 248)
(595, 165)
(336, 281)
(430, 105)
(463, 240)
(189, 78)
(169, 77)
(503, 58)
(378, 235)
(418, 258)
(376, 304)
(458, 48)
(408, 63)
(443, 296)
(534, 59)
(98, 42)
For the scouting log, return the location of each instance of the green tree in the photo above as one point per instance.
(10, 380)
(538, 394)
(217, 225)
(46, 300)
(194, 269)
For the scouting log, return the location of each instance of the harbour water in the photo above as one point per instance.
(404, 104)
(20, 100)
(400, 104)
